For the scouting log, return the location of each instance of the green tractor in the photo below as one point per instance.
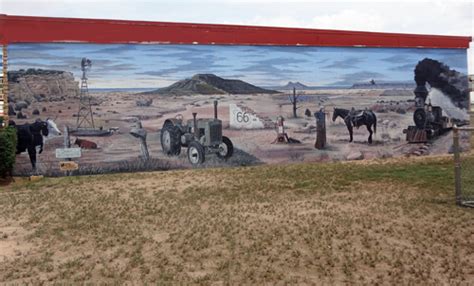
(201, 136)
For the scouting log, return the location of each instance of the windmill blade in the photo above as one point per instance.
(86, 63)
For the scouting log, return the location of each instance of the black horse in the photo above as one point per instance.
(29, 136)
(356, 118)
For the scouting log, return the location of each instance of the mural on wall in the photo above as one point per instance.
(134, 107)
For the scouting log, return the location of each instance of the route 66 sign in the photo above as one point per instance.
(243, 118)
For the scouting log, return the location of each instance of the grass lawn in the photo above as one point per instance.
(381, 222)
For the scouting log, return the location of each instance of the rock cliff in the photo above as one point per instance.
(41, 85)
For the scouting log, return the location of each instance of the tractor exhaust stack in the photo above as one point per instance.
(215, 109)
(196, 130)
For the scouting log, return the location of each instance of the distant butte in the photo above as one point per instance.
(296, 85)
(210, 84)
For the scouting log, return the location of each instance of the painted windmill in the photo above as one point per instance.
(85, 117)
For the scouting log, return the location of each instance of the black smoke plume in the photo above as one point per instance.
(451, 82)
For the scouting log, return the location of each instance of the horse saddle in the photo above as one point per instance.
(358, 117)
(358, 114)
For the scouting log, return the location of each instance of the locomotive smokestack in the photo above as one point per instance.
(215, 109)
(421, 93)
(196, 130)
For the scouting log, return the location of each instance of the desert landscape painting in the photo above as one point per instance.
(134, 90)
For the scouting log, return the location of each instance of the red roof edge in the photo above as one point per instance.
(29, 29)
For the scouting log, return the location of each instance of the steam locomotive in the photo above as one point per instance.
(429, 120)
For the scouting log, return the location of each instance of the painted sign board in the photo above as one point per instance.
(67, 153)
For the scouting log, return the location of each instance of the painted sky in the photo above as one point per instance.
(144, 66)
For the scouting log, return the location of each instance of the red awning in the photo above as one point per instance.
(26, 29)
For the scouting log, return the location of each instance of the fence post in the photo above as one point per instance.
(471, 124)
(457, 165)
(67, 144)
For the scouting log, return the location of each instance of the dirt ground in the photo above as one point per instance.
(390, 222)
(119, 110)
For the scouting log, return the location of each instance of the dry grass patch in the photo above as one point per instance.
(384, 222)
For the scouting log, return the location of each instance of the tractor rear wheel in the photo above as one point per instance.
(226, 148)
(170, 139)
(196, 153)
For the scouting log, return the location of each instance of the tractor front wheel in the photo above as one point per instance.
(226, 148)
(196, 153)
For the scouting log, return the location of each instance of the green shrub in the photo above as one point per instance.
(7, 150)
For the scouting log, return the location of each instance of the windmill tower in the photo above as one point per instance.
(85, 118)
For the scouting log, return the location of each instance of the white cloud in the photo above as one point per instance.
(350, 18)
